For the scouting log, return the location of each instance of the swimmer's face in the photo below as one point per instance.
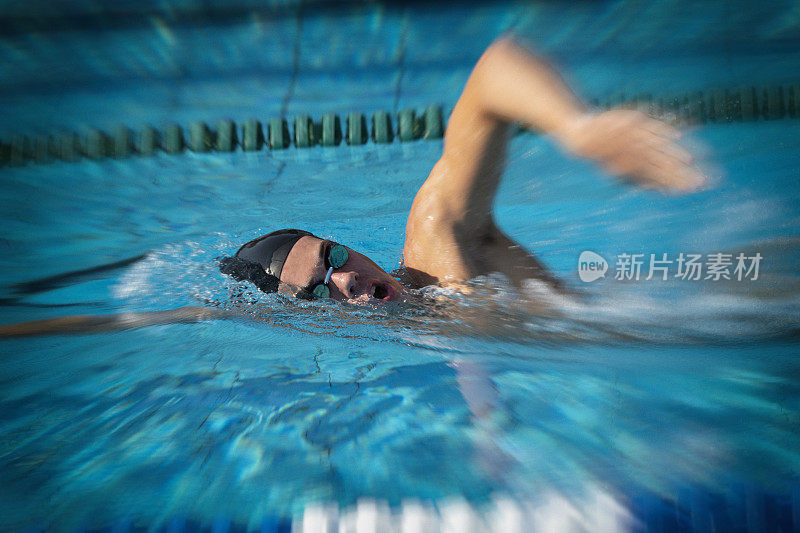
(359, 280)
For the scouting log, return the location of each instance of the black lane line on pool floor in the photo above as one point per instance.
(56, 281)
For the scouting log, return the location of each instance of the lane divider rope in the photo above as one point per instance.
(740, 104)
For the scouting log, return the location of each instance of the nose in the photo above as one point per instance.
(347, 283)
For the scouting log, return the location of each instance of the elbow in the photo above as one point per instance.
(495, 64)
(496, 53)
(505, 49)
(503, 44)
(503, 62)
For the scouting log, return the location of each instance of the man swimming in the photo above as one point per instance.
(451, 235)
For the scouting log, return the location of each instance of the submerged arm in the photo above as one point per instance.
(117, 322)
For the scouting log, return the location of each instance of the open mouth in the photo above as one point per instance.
(380, 292)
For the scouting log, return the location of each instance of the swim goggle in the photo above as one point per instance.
(336, 258)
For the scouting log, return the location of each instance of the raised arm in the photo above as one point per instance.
(450, 234)
(507, 84)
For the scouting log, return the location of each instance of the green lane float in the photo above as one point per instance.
(356, 129)
(304, 132)
(97, 144)
(772, 103)
(149, 141)
(382, 128)
(252, 136)
(43, 149)
(407, 126)
(793, 101)
(226, 136)
(718, 105)
(434, 122)
(331, 130)
(123, 142)
(278, 134)
(200, 137)
(173, 139)
(748, 104)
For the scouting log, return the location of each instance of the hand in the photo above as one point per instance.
(630, 144)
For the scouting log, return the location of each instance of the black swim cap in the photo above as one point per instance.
(261, 260)
(270, 250)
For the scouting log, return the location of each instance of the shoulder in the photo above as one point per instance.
(442, 246)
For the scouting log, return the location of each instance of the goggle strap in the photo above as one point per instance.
(328, 276)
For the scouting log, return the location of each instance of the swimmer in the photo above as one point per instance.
(451, 234)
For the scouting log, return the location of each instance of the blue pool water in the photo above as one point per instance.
(677, 403)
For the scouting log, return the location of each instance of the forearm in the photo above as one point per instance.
(511, 84)
(70, 324)
(116, 322)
